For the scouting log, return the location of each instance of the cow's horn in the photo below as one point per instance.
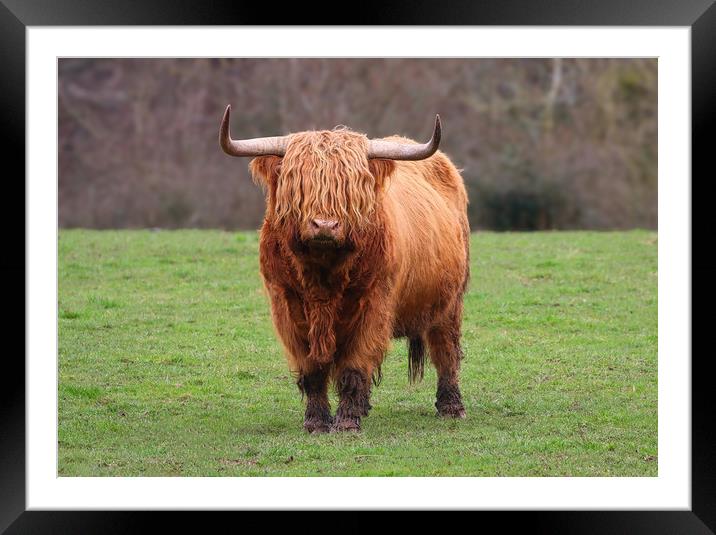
(391, 150)
(260, 146)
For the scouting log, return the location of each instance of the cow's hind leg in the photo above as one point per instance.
(446, 354)
(314, 385)
(353, 386)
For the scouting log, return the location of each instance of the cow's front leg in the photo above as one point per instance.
(314, 385)
(353, 386)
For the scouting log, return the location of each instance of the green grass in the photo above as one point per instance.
(169, 364)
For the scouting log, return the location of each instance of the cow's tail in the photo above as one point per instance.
(416, 358)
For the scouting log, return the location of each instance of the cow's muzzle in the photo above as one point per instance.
(324, 233)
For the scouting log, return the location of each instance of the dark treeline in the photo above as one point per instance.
(543, 143)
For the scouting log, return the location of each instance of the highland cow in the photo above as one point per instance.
(363, 241)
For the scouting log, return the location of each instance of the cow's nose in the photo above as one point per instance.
(325, 224)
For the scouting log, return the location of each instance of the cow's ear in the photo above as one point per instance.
(381, 170)
(265, 169)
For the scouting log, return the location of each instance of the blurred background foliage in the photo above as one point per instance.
(543, 143)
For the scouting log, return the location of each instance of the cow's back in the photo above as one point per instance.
(426, 206)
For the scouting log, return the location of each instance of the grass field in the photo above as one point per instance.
(168, 364)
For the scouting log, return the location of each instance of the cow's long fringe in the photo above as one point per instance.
(326, 174)
(416, 358)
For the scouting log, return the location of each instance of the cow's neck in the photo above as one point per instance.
(323, 285)
(327, 278)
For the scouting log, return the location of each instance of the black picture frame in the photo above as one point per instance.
(16, 15)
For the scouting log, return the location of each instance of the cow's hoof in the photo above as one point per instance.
(315, 426)
(451, 411)
(345, 424)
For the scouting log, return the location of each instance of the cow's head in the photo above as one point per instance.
(324, 185)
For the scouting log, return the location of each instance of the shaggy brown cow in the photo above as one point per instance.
(363, 240)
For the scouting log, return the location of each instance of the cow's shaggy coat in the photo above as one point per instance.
(400, 269)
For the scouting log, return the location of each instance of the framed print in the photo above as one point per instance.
(524, 240)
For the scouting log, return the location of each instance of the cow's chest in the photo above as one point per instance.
(340, 311)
